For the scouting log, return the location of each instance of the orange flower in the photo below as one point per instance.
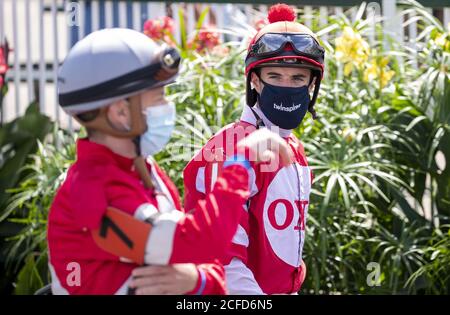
(205, 40)
(208, 38)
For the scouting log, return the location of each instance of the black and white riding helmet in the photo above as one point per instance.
(113, 64)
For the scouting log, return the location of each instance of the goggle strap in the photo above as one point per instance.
(314, 98)
(259, 121)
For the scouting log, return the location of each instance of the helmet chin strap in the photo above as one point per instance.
(314, 98)
(138, 126)
(102, 123)
(141, 166)
(259, 121)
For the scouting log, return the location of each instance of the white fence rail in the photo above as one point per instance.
(42, 31)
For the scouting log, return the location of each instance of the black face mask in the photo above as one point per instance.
(285, 107)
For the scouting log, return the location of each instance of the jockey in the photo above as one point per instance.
(284, 67)
(116, 209)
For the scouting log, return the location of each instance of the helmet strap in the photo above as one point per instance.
(102, 123)
(314, 98)
(259, 121)
(139, 161)
(138, 127)
(144, 173)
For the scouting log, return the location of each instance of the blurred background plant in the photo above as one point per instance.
(205, 38)
(18, 142)
(380, 151)
(27, 208)
(4, 54)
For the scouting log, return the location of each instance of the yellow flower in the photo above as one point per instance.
(440, 40)
(379, 71)
(351, 49)
(348, 134)
(443, 41)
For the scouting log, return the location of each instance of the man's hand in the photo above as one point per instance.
(264, 146)
(174, 279)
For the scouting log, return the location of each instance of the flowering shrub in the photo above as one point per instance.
(160, 29)
(206, 39)
(4, 52)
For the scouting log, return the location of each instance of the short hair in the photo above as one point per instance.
(89, 115)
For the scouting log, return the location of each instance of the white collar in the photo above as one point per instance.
(249, 117)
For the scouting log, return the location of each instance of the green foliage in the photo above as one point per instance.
(18, 139)
(379, 194)
(208, 96)
(28, 209)
(33, 275)
(437, 271)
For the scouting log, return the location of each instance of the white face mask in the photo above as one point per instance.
(160, 124)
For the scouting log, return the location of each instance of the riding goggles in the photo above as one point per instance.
(271, 44)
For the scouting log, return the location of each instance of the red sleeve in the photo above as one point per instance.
(206, 233)
(193, 189)
(214, 273)
(213, 282)
(191, 197)
(191, 194)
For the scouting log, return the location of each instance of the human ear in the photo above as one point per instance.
(256, 82)
(118, 114)
(312, 85)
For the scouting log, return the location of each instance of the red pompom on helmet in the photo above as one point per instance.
(285, 43)
(281, 12)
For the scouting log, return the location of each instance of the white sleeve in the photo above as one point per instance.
(201, 184)
(240, 279)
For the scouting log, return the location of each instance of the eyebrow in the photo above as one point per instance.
(299, 76)
(274, 73)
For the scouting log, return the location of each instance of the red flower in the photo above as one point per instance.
(169, 24)
(156, 29)
(4, 51)
(205, 40)
(210, 39)
(3, 59)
